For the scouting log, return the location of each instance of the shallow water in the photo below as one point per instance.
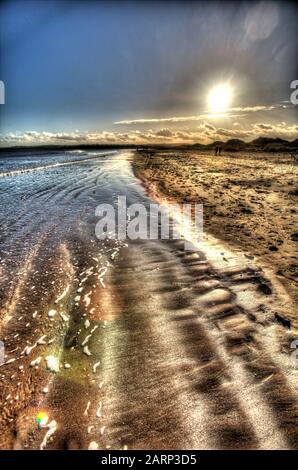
(55, 199)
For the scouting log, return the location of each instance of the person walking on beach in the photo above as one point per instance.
(217, 150)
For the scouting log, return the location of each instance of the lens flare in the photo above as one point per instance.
(42, 419)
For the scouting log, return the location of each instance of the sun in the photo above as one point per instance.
(219, 98)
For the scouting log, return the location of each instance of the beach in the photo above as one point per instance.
(136, 343)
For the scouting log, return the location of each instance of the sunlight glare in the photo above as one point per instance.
(219, 98)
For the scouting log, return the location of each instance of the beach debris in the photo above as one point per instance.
(35, 362)
(93, 446)
(90, 429)
(98, 412)
(67, 366)
(52, 313)
(45, 390)
(10, 361)
(86, 351)
(87, 299)
(52, 363)
(62, 295)
(95, 367)
(87, 324)
(51, 429)
(41, 340)
(64, 317)
(102, 430)
(28, 349)
(86, 340)
(87, 408)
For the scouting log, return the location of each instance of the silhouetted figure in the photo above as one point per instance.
(217, 150)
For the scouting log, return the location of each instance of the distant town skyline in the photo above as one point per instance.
(146, 72)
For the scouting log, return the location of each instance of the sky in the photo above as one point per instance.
(146, 71)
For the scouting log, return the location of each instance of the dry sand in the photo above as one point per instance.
(250, 200)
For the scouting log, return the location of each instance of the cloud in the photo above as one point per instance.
(233, 134)
(204, 132)
(209, 126)
(263, 126)
(199, 117)
(252, 109)
(280, 130)
(159, 120)
(164, 133)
